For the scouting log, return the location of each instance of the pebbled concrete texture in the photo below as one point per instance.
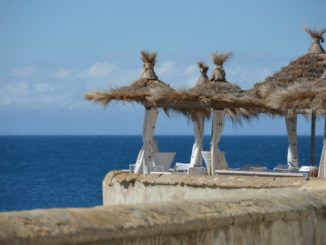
(256, 210)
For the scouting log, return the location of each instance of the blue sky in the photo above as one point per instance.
(52, 52)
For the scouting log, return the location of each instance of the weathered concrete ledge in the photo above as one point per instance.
(294, 217)
(128, 188)
(221, 181)
(183, 209)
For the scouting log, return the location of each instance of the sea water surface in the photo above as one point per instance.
(67, 171)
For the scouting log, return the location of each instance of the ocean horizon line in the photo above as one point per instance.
(139, 135)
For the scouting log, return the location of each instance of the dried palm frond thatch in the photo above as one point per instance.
(201, 94)
(224, 94)
(139, 90)
(214, 93)
(305, 69)
(301, 97)
(219, 60)
(316, 34)
(203, 68)
(148, 57)
(181, 102)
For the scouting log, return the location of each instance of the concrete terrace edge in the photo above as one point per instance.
(128, 188)
(222, 181)
(299, 217)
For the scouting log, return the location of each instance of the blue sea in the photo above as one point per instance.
(67, 171)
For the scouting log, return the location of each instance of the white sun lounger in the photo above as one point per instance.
(186, 168)
(257, 173)
(162, 160)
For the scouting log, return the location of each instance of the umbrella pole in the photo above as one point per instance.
(313, 136)
(324, 131)
(291, 128)
(146, 154)
(196, 157)
(217, 157)
(321, 170)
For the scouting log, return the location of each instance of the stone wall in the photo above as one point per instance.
(172, 209)
(129, 188)
(294, 217)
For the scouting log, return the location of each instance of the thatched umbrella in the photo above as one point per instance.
(305, 96)
(169, 100)
(304, 69)
(237, 103)
(139, 92)
(218, 87)
(196, 157)
(217, 94)
(198, 117)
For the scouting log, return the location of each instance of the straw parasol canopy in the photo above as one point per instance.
(217, 84)
(306, 68)
(302, 96)
(139, 90)
(227, 95)
(216, 93)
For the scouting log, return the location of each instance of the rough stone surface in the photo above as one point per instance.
(183, 209)
(220, 181)
(290, 217)
(128, 188)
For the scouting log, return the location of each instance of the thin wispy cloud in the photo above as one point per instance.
(65, 87)
(44, 88)
(23, 72)
(100, 70)
(246, 76)
(14, 93)
(28, 95)
(166, 69)
(192, 70)
(62, 73)
(103, 75)
(178, 75)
